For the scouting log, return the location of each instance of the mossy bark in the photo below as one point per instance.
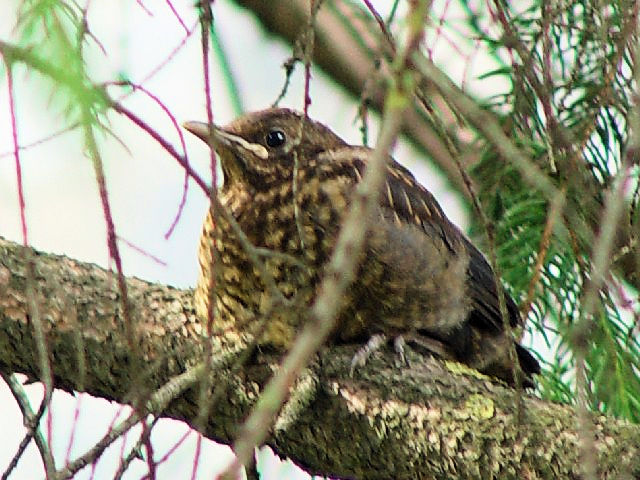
(429, 420)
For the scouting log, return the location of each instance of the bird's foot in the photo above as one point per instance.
(364, 352)
(373, 345)
(398, 345)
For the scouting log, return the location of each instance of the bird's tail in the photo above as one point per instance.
(528, 363)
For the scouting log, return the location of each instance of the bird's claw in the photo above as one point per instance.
(362, 355)
(373, 345)
(398, 345)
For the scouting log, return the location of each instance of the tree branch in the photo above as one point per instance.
(430, 420)
(350, 59)
(348, 44)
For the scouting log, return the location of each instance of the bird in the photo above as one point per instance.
(288, 183)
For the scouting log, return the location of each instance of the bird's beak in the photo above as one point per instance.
(219, 139)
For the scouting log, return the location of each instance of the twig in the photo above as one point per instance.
(486, 124)
(112, 243)
(386, 34)
(156, 403)
(34, 314)
(31, 421)
(16, 151)
(581, 332)
(342, 265)
(206, 17)
(555, 209)
(308, 38)
(176, 126)
(134, 452)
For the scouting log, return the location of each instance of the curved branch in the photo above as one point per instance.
(430, 420)
(351, 60)
(348, 44)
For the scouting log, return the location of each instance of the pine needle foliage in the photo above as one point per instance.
(569, 109)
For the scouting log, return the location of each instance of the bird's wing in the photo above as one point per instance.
(405, 200)
(408, 205)
(414, 204)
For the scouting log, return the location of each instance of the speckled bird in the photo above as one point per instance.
(419, 278)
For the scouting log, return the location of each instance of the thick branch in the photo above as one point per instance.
(430, 420)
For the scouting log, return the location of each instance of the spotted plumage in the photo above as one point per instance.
(419, 277)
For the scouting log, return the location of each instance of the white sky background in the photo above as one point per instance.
(63, 210)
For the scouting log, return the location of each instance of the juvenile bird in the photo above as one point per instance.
(419, 277)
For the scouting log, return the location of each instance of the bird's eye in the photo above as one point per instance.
(275, 138)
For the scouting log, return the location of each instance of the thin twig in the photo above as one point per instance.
(342, 265)
(112, 244)
(34, 312)
(176, 126)
(386, 34)
(487, 124)
(555, 209)
(581, 332)
(601, 262)
(134, 452)
(308, 40)
(156, 404)
(31, 421)
(16, 151)
(206, 17)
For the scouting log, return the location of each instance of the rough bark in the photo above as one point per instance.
(428, 420)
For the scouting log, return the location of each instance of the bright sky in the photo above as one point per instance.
(145, 185)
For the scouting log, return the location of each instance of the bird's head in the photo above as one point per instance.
(260, 147)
